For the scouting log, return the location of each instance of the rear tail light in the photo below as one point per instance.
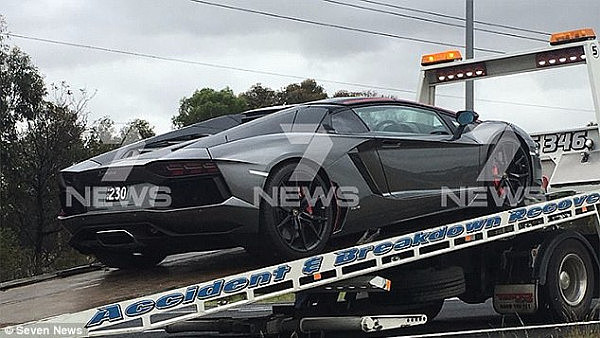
(185, 168)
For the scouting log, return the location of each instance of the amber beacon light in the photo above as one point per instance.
(447, 56)
(572, 36)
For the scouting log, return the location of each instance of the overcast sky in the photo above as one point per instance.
(134, 87)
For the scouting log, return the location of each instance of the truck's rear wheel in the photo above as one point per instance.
(569, 287)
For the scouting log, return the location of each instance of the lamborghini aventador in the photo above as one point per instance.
(284, 181)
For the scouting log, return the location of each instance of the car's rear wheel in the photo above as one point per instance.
(510, 173)
(130, 260)
(299, 224)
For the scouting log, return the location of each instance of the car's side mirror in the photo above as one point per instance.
(464, 118)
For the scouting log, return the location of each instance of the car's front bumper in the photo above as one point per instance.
(207, 227)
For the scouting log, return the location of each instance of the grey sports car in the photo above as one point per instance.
(286, 180)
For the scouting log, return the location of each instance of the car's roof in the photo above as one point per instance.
(356, 101)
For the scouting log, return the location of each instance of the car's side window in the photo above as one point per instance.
(402, 119)
(347, 122)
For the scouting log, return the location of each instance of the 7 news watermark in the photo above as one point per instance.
(488, 196)
(44, 330)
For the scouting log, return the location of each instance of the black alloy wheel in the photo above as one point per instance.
(510, 173)
(301, 223)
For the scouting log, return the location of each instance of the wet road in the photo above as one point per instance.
(92, 289)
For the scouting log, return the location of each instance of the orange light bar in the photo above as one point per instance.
(572, 36)
(447, 56)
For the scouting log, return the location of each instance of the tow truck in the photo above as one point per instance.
(541, 258)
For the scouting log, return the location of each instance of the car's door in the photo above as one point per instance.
(419, 158)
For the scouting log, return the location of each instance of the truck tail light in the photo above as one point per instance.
(461, 72)
(560, 57)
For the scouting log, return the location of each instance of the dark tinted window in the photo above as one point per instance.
(309, 118)
(401, 119)
(270, 124)
(347, 122)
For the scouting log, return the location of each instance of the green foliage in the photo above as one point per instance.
(136, 130)
(101, 137)
(15, 260)
(258, 97)
(306, 91)
(364, 93)
(207, 103)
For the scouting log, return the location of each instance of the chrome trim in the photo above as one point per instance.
(259, 173)
(113, 231)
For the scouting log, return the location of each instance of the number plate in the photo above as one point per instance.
(115, 194)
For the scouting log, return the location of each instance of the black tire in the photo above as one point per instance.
(291, 232)
(127, 260)
(569, 288)
(431, 310)
(423, 286)
(508, 173)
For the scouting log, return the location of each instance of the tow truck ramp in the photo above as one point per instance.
(196, 300)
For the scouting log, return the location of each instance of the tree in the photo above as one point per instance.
(307, 90)
(364, 93)
(21, 92)
(258, 97)
(207, 103)
(101, 137)
(40, 134)
(50, 141)
(135, 130)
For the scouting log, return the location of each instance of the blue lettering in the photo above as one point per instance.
(260, 279)
(383, 248)
(455, 230)
(578, 200)
(517, 215)
(362, 253)
(346, 256)
(564, 204)
(169, 301)
(312, 265)
(280, 272)
(534, 212)
(190, 294)
(402, 243)
(476, 225)
(420, 238)
(438, 234)
(550, 208)
(235, 285)
(139, 308)
(211, 290)
(593, 198)
(493, 221)
(110, 313)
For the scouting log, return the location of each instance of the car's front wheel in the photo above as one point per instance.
(298, 220)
